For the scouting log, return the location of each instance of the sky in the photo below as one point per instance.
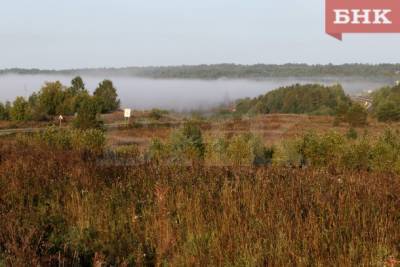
(65, 34)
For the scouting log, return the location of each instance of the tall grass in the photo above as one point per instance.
(60, 208)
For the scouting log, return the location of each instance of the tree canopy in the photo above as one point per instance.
(56, 99)
(386, 104)
(297, 99)
(106, 96)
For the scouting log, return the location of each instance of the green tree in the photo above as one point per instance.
(20, 109)
(77, 85)
(298, 99)
(51, 98)
(357, 115)
(4, 112)
(192, 132)
(86, 117)
(107, 97)
(388, 111)
(187, 143)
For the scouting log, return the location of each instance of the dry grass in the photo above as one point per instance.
(68, 210)
(272, 128)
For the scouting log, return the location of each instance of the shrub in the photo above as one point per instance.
(386, 103)
(240, 150)
(20, 110)
(90, 140)
(388, 111)
(86, 117)
(157, 114)
(357, 156)
(84, 141)
(158, 151)
(333, 151)
(4, 111)
(322, 150)
(352, 133)
(288, 153)
(244, 149)
(386, 152)
(216, 150)
(182, 149)
(56, 138)
(357, 115)
(192, 132)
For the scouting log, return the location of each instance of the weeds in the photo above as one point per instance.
(59, 208)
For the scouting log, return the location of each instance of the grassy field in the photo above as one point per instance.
(66, 200)
(273, 128)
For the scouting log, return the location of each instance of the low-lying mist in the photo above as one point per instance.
(179, 95)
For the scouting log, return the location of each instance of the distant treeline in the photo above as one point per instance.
(232, 71)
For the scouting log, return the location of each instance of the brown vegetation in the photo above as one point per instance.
(67, 207)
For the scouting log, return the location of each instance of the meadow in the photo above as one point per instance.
(84, 198)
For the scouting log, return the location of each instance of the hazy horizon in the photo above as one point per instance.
(82, 68)
(77, 34)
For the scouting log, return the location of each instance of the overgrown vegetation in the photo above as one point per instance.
(62, 202)
(355, 115)
(337, 153)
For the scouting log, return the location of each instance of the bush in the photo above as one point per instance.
(288, 153)
(20, 110)
(90, 140)
(334, 152)
(388, 111)
(386, 104)
(216, 151)
(244, 149)
(352, 133)
(187, 143)
(322, 150)
(56, 138)
(158, 151)
(86, 117)
(84, 141)
(386, 152)
(357, 115)
(5, 111)
(157, 114)
(357, 156)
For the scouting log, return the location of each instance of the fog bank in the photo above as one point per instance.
(176, 94)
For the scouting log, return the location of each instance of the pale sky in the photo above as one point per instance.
(57, 34)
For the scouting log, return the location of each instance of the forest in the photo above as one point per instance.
(296, 99)
(233, 71)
